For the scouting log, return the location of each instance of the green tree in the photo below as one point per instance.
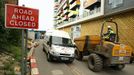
(8, 37)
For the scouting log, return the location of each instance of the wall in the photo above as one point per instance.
(31, 35)
(125, 23)
(67, 29)
(113, 6)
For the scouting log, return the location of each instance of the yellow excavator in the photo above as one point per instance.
(103, 53)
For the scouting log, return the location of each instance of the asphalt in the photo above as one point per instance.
(76, 68)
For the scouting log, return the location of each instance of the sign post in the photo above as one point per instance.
(20, 17)
(23, 55)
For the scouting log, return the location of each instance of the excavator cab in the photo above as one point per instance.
(113, 37)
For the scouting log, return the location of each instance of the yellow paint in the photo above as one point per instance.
(118, 50)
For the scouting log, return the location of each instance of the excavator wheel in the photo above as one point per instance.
(95, 62)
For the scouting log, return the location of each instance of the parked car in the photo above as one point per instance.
(58, 46)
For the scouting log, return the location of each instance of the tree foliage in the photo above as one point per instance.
(8, 36)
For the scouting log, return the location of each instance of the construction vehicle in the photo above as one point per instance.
(132, 57)
(102, 53)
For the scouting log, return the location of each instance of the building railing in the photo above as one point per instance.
(78, 17)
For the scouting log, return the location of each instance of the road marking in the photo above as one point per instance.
(57, 72)
(33, 60)
(35, 71)
(75, 70)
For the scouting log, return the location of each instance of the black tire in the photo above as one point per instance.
(49, 57)
(95, 62)
(78, 55)
(119, 67)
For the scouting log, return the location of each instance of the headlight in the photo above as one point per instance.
(54, 52)
(51, 51)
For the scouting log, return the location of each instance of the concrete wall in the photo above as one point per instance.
(119, 5)
(31, 35)
(125, 23)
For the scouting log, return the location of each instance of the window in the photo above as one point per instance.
(56, 0)
(61, 41)
(115, 3)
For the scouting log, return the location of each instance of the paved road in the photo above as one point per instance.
(76, 68)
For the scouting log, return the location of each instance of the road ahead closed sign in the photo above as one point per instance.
(21, 17)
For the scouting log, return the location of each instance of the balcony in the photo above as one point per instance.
(60, 21)
(75, 5)
(73, 14)
(61, 4)
(58, 17)
(55, 16)
(71, 1)
(65, 18)
(60, 11)
(55, 19)
(89, 4)
(65, 6)
(57, 22)
(56, 4)
(62, 15)
(66, 12)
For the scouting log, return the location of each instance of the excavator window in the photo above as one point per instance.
(111, 37)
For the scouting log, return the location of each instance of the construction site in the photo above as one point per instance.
(95, 12)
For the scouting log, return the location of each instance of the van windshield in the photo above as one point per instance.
(61, 41)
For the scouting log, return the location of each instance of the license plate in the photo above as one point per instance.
(121, 58)
(64, 58)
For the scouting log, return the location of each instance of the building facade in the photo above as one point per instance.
(95, 12)
(66, 10)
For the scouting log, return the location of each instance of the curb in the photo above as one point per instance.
(34, 69)
(30, 54)
(33, 63)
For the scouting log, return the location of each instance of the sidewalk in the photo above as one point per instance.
(33, 65)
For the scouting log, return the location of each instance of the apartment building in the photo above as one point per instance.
(93, 14)
(65, 10)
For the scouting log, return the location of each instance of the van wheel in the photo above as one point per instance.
(78, 55)
(118, 67)
(49, 57)
(95, 62)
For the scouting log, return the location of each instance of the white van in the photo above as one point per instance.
(58, 46)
